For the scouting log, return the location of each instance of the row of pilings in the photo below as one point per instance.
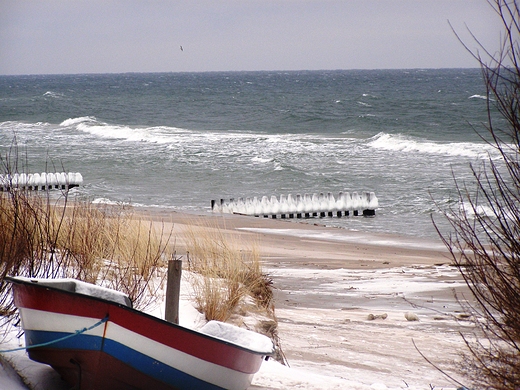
(301, 206)
(40, 181)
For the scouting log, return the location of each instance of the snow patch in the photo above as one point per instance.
(238, 336)
(80, 287)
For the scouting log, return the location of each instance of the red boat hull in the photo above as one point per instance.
(131, 350)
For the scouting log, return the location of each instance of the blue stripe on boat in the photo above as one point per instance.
(80, 341)
(154, 368)
(129, 356)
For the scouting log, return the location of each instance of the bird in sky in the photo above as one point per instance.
(182, 48)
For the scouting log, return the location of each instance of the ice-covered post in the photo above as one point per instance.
(173, 291)
(372, 204)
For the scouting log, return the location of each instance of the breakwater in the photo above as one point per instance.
(301, 206)
(40, 181)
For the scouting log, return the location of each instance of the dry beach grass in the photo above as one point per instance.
(230, 271)
(48, 238)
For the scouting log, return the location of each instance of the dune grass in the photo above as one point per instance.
(228, 282)
(225, 273)
(48, 237)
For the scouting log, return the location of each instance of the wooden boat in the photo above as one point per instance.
(95, 339)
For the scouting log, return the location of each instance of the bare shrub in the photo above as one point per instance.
(485, 243)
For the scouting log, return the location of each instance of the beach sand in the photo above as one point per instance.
(341, 298)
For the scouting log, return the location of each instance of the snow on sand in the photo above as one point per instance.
(341, 302)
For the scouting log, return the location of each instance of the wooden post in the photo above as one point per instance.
(173, 290)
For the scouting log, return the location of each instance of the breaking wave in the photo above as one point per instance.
(158, 135)
(401, 143)
(55, 95)
(478, 97)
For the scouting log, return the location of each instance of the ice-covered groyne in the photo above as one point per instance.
(40, 181)
(301, 206)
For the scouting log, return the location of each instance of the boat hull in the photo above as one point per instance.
(130, 350)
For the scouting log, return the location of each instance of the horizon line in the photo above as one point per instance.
(235, 71)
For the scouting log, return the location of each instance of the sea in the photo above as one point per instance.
(179, 140)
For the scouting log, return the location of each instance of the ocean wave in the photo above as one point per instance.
(259, 149)
(157, 134)
(111, 202)
(119, 203)
(401, 143)
(75, 121)
(262, 160)
(55, 95)
(21, 127)
(473, 211)
(478, 97)
(278, 166)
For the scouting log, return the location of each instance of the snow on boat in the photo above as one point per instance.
(95, 339)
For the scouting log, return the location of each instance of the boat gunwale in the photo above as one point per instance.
(29, 282)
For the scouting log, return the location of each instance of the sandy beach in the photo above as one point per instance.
(341, 298)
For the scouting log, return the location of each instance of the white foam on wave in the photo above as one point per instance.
(111, 202)
(258, 159)
(243, 147)
(400, 143)
(159, 134)
(113, 132)
(482, 211)
(478, 97)
(259, 149)
(15, 125)
(473, 211)
(278, 166)
(107, 201)
(126, 204)
(75, 121)
(165, 135)
(55, 95)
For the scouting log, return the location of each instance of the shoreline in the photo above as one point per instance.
(304, 242)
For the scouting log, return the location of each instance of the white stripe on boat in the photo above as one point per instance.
(227, 378)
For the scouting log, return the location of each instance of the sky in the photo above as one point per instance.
(117, 36)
